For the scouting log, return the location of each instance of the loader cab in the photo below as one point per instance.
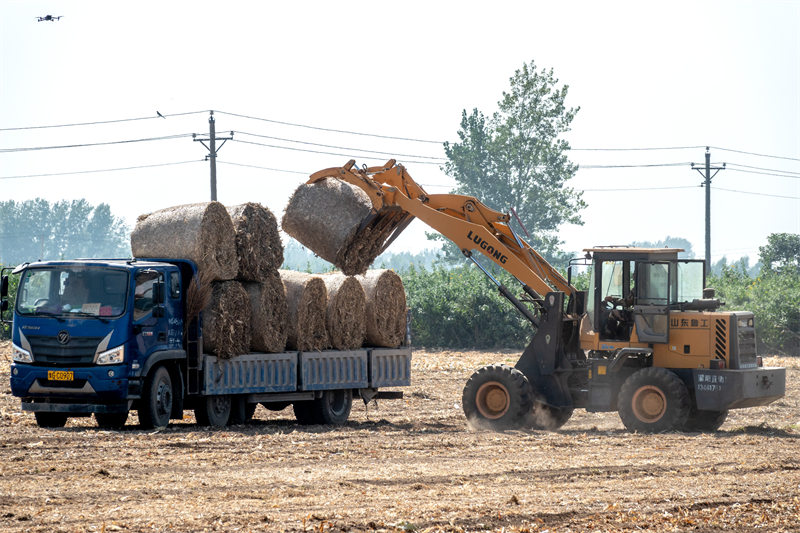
(632, 290)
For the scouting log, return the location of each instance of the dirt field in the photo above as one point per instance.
(409, 465)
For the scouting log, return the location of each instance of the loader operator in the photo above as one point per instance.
(618, 319)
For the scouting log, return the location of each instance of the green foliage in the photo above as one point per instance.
(37, 229)
(298, 257)
(460, 308)
(774, 296)
(516, 159)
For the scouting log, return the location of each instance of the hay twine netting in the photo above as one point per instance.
(346, 311)
(307, 300)
(258, 243)
(226, 320)
(269, 314)
(201, 232)
(386, 308)
(325, 217)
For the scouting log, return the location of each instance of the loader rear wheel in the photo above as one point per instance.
(497, 397)
(653, 400)
(705, 421)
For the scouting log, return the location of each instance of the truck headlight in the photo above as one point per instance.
(19, 355)
(113, 356)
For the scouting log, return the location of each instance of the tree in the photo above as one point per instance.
(516, 159)
(782, 252)
(669, 242)
(36, 229)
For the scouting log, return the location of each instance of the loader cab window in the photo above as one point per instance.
(613, 298)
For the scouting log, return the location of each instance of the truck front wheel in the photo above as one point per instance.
(497, 397)
(156, 406)
(653, 400)
(50, 420)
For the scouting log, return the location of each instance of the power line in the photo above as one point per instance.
(757, 193)
(641, 189)
(777, 173)
(97, 122)
(655, 148)
(263, 168)
(756, 154)
(319, 128)
(99, 170)
(441, 159)
(106, 143)
(324, 153)
(646, 165)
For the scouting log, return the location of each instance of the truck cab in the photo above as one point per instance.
(86, 333)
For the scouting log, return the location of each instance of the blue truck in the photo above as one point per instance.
(105, 337)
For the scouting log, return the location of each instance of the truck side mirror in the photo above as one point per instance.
(4, 287)
(3, 306)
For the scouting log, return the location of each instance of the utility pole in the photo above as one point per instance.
(705, 171)
(212, 151)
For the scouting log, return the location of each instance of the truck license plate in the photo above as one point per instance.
(60, 375)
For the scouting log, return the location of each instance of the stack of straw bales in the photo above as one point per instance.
(250, 305)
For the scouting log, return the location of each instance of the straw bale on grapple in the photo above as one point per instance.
(258, 244)
(307, 299)
(345, 317)
(386, 308)
(201, 232)
(269, 313)
(226, 320)
(325, 216)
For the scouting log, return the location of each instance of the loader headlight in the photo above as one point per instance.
(19, 355)
(746, 322)
(113, 356)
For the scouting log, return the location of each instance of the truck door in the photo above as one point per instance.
(150, 330)
(651, 303)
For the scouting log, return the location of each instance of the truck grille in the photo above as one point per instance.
(78, 351)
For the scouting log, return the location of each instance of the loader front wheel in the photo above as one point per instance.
(653, 400)
(497, 397)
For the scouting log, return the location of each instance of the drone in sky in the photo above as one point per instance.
(49, 18)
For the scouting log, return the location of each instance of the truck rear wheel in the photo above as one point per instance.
(213, 410)
(653, 400)
(50, 420)
(111, 420)
(705, 421)
(157, 398)
(497, 397)
(332, 408)
(241, 411)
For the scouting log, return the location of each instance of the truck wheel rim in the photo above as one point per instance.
(492, 400)
(649, 404)
(164, 402)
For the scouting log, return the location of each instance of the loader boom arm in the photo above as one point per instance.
(465, 220)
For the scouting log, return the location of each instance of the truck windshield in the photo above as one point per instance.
(73, 291)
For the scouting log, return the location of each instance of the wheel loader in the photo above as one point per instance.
(647, 339)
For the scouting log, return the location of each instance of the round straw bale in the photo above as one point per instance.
(386, 308)
(258, 244)
(345, 318)
(226, 320)
(307, 302)
(325, 217)
(200, 232)
(268, 313)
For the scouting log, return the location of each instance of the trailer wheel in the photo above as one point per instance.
(705, 421)
(111, 420)
(241, 411)
(50, 420)
(157, 398)
(653, 400)
(332, 408)
(213, 410)
(497, 397)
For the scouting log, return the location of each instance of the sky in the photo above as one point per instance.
(309, 85)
